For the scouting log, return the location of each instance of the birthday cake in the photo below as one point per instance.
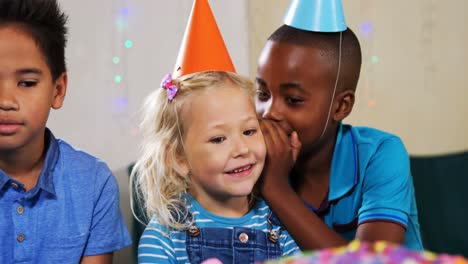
(370, 253)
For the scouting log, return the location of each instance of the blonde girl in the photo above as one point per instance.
(202, 153)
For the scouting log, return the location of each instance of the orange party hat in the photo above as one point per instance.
(202, 48)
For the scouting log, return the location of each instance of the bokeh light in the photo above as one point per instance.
(366, 29)
(128, 44)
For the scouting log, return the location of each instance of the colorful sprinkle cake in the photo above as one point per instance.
(370, 253)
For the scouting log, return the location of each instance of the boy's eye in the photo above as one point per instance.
(27, 83)
(250, 132)
(217, 140)
(262, 95)
(294, 101)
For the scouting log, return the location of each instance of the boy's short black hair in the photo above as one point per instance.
(46, 23)
(328, 44)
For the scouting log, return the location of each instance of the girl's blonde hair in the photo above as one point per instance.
(157, 181)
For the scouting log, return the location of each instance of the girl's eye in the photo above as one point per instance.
(250, 132)
(27, 83)
(217, 140)
(294, 101)
(262, 95)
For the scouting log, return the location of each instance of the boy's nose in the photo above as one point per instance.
(7, 99)
(271, 111)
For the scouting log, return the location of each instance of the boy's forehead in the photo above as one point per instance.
(292, 62)
(15, 39)
(311, 52)
(18, 49)
(295, 55)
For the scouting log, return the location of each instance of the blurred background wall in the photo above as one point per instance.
(413, 81)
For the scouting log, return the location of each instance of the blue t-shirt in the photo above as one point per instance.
(370, 180)
(73, 211)
(161, 245)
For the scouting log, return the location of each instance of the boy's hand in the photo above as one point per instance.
(295, 145)
(282, 152)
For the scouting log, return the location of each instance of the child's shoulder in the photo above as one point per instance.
(80, 168)
(373, 138)
(370, 135)
(373, 142)
(78, 159)
(154, 226)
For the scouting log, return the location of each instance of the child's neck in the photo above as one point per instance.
(23, 164)
(233, 207)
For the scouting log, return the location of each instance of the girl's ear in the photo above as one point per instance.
(182, 166)
(344, 105)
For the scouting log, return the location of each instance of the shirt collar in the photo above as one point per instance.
(3, 179)
(344, 174)
(45, 181)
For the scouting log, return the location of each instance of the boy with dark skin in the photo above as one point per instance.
(57, 204)
(347, 182)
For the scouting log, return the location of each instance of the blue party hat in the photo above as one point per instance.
(316, 15)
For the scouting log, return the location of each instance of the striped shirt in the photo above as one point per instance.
(157, 245)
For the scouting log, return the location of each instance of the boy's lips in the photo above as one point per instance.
(8, 126)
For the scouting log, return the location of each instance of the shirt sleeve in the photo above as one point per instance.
(288, 245)
(156, 247)
(387, 190)
(108, 232)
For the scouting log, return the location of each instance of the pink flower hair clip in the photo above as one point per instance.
(169, 86)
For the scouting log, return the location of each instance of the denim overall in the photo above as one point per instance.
(236, 245)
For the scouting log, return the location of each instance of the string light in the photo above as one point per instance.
(128, 44)
(121, 22)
